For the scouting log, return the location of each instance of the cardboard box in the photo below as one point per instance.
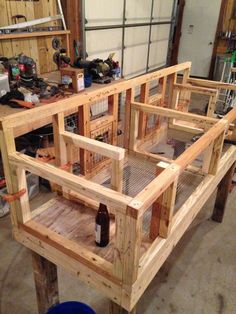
(75, 76)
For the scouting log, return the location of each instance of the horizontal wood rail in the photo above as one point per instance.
(196, 89)
(211, 84)
(75, 101)
(104, 149)
(80, 185)
(175, 114)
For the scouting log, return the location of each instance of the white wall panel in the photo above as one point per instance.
(138, 11)
(135, 53)
(159, 46)
(135, 60)
(102, 42)
(136, 35)
(162, 10)
(103, 12)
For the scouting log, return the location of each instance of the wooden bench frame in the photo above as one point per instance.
(124, 280)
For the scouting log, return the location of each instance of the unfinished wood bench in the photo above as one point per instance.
(153, 192)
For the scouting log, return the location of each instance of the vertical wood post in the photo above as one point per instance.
(185, 95)
(222, 195)
(117, 309)
(162, 211)
(216, 153)
(134, 120)
(59, 144)
(127, 254)
(171, 90)
(7, 143)
(84, 129)
(144, 98)
(24, 214)
(129, 98)
(117, 175)
(113, 103)
(46, 283)
(156, 208)
(212, 104)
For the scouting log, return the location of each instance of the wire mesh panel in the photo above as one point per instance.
(104, 135)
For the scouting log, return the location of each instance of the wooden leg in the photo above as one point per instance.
(222, 195)
(117, 309)
(46, 283)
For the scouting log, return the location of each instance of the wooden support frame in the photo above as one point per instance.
(46, 283)
(125, 277)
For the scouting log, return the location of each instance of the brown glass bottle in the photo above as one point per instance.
(102, 227)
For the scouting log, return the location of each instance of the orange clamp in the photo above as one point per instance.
(13, 197)
(45, 158)
(66, 166)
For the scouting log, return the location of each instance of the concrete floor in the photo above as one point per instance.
(198, 277)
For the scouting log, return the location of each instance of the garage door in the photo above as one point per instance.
(139, 32)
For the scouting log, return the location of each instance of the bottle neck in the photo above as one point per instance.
(102, 208)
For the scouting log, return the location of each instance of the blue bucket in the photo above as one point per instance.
(71, 307)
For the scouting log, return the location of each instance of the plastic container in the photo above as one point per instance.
(71, 307)
(87, 80)
(4, 84)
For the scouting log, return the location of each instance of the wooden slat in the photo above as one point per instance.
(156, 208)
(19, 119)
(24, 214)
(170, 113)
(196, 89)
(92, 145)
(72, 182)
(216, 153)
(212, 84)
(128, 99)
(144, 98)
(134, 125)
(117, 168)
(212, 104)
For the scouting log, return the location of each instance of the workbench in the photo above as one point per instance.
(153, 198)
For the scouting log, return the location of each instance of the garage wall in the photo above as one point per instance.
(40, 49)
(137, 31)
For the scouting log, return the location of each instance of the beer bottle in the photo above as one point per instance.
(102, 227)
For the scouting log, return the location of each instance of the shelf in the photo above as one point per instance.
(33, 34)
